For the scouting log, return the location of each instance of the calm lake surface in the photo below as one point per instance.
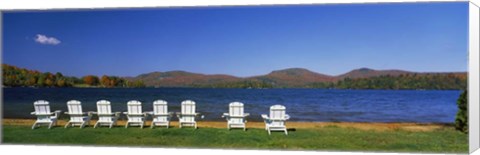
(425, 106)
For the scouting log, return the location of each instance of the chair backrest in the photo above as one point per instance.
(160, 107)
(134, 107)
(41, 107)
(188, 107)
(74, 107)
(277, 112)
(103, 107)
(236, 109)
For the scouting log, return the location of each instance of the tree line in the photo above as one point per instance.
(430, 81)
(238, 84)
(20, 77)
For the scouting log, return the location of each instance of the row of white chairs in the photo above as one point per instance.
(236, 118)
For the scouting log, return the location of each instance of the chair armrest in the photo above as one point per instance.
(68, 113)
(57, 113)
(246, 114)
(32, 113)
(148, 112)
(195, 115)
(265, 117)
(125, 113)
(162, 115)
(287, 116)
(225, 115)
(141, 114)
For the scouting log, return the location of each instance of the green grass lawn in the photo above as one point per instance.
(327, 138)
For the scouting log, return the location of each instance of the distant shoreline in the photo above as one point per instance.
(416, 127)
(363, 78)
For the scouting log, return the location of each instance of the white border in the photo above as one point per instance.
(473, 79)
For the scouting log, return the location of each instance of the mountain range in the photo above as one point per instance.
(292, 77)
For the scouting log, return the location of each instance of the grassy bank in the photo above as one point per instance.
(329, 137)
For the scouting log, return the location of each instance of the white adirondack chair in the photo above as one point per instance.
(77, 116)
(44, 116)
(160, 114)
(276, 121)
(105, 115)
(236, 118)
(134, 114)
(187, 116)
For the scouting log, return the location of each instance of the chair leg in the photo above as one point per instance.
(152, 125)
(269, 133)
(126, 125)
(111, 125)
(95, 126)
(196, 126)
(50, 125)
(286, 132)
(34, 125)
(66, 125)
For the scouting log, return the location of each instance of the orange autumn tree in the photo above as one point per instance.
(105, 81)
(91, 80)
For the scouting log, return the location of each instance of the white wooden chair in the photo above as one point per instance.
(236, 118)
(187, 116)
(77, 116)
(44, 116)
(276, 121)
(105, 115)
(134, 114)
(160, 114)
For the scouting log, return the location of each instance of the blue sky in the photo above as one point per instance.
(241, 41)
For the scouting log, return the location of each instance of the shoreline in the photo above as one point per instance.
(376, 126)
(152, 87)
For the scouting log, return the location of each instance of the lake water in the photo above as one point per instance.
(424, 106)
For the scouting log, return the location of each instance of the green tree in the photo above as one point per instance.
(461, 120)
(41, 80)
(60, 82)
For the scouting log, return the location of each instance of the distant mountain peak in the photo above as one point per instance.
(292, 70)
(367, 72)
(289, 77)
(364, 69)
